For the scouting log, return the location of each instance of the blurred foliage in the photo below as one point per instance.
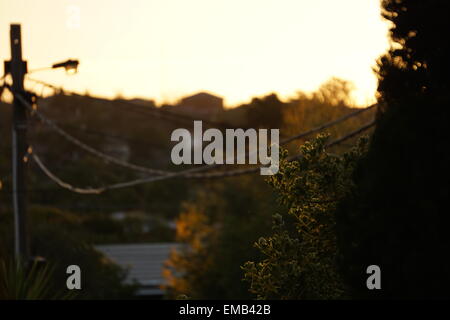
(265, 113)
(59, 237)
(217, 229)
(19, 282)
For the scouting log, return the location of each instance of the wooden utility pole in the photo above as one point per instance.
(17, 68)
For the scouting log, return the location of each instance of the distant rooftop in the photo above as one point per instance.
(144, 262)
(203, 94)
(202, 103)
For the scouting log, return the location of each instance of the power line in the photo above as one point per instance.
(51, 86)
(63, 184)
(109, 135)
(84, 146)
(328, 124)
(183, 174)
(99, 154)
(152, 171)
(291, 158)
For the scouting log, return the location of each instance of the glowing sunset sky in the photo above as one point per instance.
(165, 49)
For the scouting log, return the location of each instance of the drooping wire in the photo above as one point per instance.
(327, 125)
(182, 174)
(61, 183)
(84, 146)
(152, 171)
(191, 173)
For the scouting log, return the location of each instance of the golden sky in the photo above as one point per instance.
(165, 49)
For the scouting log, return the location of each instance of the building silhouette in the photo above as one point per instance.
(201, 104)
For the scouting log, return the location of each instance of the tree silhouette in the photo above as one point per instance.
(398, 218)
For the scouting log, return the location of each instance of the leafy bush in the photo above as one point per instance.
(300, 255)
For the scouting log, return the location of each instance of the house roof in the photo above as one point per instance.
(203, 94)
(144, 262)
